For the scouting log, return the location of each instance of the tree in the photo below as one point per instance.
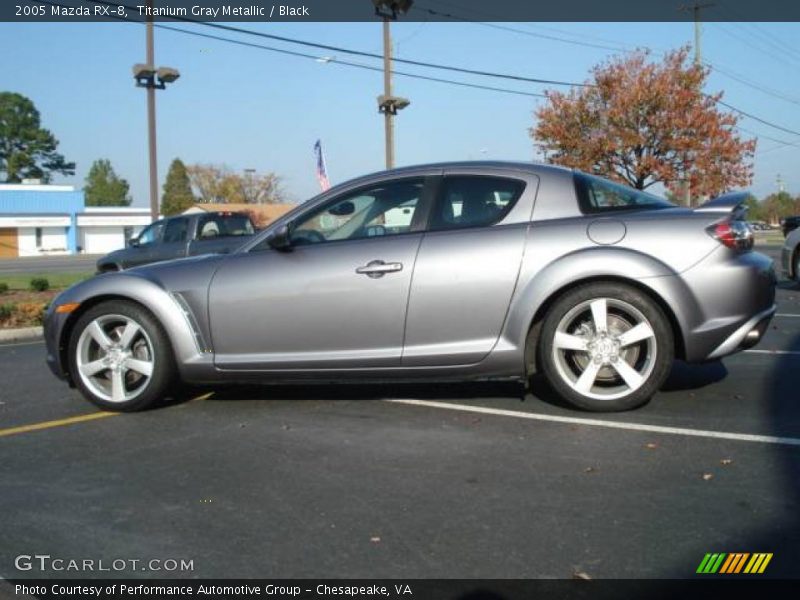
(778, 206)
(219, 184)
(27, 150)
(755, 209)
(177, 195)
(103, 187)
(642, 123)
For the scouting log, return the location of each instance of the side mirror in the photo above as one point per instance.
(133, 243)
(280, 239)
(343, 209)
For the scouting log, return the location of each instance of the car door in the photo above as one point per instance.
(143, 249)
(174, 241)
(336, 298)
(467, 266)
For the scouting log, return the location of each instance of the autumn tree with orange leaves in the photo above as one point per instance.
(642, 123)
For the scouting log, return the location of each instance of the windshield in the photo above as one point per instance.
(596, 194)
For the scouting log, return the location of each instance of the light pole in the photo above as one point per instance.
(387, 103)
(152, 78)
(249, 197)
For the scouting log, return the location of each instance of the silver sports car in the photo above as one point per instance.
(790, 256)
(460, 271)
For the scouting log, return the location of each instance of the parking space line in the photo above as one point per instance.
(14, 344)
(738, 437)
(786, 352)
(77, 419)
(57, 423)
(788, 315)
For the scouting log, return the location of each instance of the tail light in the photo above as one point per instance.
(736, 235)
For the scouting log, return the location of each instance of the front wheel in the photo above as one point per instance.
(120, 357)
(606, 347)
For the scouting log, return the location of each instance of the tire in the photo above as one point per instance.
(612, 372)
(120, 357)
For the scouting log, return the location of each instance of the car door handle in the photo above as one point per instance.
(378, 268)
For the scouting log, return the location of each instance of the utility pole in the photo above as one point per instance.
(387, 103)
(152, 79)
(696, 8)
(388, 116)
(151, 118)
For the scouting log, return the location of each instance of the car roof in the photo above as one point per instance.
(476, 164)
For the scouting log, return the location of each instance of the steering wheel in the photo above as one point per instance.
(307, 236)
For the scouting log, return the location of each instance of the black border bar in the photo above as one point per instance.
(421, 10)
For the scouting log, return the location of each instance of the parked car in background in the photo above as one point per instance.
(790, 256)
(181, 236)
(789, 224)
(440, 272)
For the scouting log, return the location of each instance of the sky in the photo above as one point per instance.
(249, 108)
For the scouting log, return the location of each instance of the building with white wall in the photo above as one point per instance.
(38, 220)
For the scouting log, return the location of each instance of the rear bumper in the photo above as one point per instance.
(734, 295)
(747, 336)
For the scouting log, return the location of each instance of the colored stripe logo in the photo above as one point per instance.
(734, 563)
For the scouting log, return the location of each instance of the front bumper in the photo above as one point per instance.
(786, 263)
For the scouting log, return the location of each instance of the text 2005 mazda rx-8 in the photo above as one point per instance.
(460, 271)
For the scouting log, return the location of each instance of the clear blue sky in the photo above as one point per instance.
(250, 108)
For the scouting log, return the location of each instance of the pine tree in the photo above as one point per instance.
(104, 187)
(177, 196)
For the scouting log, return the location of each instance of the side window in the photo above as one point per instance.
(474, 201)
(152, 233)
(387, 209)
(596, 194)
(176, 230)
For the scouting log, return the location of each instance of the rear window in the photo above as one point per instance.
(212, 226)
(596, 194)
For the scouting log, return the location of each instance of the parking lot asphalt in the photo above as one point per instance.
(410, 481)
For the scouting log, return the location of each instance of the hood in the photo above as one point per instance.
(180, 273)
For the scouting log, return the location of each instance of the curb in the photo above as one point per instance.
(21, 335)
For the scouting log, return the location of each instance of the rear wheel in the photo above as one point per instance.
(606, 347)
(120, 357)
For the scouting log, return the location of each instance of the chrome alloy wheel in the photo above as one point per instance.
(114, 357)
(604, 348)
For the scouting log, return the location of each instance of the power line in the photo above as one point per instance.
(349, 63)
(755, 118)
(433, 12)
(416, 63)
(428, 65)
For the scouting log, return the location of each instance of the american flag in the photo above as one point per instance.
(322, 172)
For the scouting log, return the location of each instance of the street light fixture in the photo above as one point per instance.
(388, 105)
(147, 76)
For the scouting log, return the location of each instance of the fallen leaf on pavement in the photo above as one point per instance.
(580, 575)
(708, 476)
